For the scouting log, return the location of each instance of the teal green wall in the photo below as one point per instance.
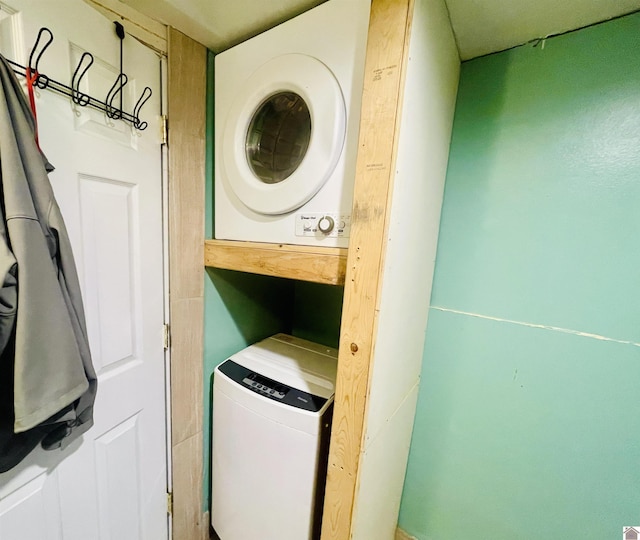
(528, 421)
(240, 309)
(316, 312)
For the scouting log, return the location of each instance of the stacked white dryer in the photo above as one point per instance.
(287, 113)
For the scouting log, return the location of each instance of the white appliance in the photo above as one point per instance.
(287, 115)
(272, 407)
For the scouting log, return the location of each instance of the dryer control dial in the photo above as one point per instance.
(323, 225)
(326, 224)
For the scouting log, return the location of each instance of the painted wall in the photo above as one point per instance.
(528, 422)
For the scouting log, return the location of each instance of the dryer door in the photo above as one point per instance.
(283, 134)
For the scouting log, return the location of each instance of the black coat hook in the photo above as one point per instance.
(32, 73)
(116, 89)
(144, 97)
(77, 96)
(44, 30)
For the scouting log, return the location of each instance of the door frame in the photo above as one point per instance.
(186, 111)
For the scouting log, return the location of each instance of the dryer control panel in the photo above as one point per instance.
(323, 224)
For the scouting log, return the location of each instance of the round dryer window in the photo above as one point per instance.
(278, 137)
(283, 134)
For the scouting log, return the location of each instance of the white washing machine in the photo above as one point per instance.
(287, 115)
(272, 405)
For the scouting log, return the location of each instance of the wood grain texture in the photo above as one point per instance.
(305, 263)
(375, 166)
(205, 527)
(187, 65)
(186, 372)
(187, 490)
(186, 103)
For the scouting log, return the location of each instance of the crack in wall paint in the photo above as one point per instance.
(539, 326)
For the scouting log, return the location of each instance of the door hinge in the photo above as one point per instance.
(164, 127)
(169, 503)
(166, 336)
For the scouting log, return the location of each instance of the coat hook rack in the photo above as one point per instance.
(43, 41)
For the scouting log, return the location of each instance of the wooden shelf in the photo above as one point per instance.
(306, 263)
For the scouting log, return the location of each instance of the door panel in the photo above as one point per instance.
(111, 483)
(108, 240)
(119, 489)
(18, 511)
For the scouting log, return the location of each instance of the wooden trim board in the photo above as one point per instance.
(375, 169)
(305, 263)
(187, 67)
(149, 31)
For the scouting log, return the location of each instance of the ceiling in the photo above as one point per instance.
(480, 26)
(486, 26)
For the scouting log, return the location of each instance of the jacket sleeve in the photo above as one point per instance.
(50, 359)
(8, 290)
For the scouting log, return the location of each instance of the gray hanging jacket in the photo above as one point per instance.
(45, 362)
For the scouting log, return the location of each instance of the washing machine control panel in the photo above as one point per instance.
(323, 224)
(271, 389)
(265, 386)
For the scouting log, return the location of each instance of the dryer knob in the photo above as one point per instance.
(326, 224)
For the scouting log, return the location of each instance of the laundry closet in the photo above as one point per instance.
(358, 297)
(367, 296)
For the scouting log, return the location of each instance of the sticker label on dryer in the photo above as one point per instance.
(323, 224)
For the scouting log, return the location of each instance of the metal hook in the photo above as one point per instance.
(144, 97)
(76, 96)
(38, 80)
(114, 112)
(44, 48)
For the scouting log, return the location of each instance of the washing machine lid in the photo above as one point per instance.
(283, 134)
(294, 362)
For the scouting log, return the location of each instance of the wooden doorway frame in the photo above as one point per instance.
(187, 69)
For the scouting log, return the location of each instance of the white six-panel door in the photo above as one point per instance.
(111, 484)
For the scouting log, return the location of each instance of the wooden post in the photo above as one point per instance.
(375, 170)
(186, 112)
